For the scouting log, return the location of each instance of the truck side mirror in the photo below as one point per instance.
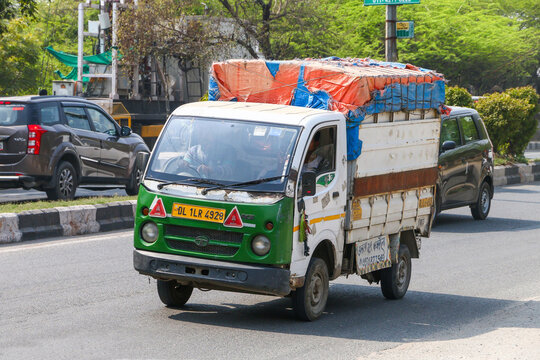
(448, 145)
(308, 183)
(142, 160)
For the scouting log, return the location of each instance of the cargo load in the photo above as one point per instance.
(355, 87)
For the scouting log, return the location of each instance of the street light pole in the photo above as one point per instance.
(391, 39)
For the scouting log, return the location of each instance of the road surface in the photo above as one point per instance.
(474, 294)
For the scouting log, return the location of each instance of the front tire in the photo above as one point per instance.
(436, 208)
(134, 182)
(173, 294)
(64, 183)
(309, 301)
(480, 209)
(395, 280)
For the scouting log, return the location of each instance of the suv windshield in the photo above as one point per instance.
(224, 152)
(12, 114)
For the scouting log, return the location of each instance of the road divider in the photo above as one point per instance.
(516, 174)
(66, 221)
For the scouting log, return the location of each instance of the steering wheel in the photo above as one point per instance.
(176, 166)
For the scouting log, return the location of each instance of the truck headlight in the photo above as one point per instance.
(150, 232)
(260, 245)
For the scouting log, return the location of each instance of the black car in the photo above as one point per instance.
(465, 163)
(54, 144)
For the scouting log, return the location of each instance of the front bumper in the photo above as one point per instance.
(212, 274)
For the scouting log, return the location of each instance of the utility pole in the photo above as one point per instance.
(390, 41)
(391, 36)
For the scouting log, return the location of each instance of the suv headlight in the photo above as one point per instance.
(260, 245)
(150, 232)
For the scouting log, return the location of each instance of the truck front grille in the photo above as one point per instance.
(211, 249)
(218, 242)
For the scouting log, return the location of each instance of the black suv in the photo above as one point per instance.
(54, 144)
(465, 163)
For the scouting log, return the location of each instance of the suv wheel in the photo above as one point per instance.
(133, 187)
(64, 183)
(480, 209)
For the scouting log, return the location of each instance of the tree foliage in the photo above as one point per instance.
(19, 52)
(282, 28)
(477, 44)
(509, 118)
(164, 28)
(9, 9)
(456, 96)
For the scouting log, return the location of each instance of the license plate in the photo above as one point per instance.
(198, 213)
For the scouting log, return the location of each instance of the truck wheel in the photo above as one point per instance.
(480, 209)
(173, 294)
(309, 301)
(132, 188)
(395, 280)
(64, 183)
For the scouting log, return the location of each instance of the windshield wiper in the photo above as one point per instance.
(195, 180)
(252, 182)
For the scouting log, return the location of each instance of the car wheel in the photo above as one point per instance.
(436, 207)
(395, 280)
(132, 187)
(309, 301)
(480, 209)
(64, 183)
(173, 294)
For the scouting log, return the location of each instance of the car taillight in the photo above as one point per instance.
(34, 138)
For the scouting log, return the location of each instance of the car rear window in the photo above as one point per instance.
(12, 114)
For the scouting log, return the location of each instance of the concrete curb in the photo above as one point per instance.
(87, 219)
(66, 221)
(516, 174)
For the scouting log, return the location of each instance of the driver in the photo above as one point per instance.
(210, 158)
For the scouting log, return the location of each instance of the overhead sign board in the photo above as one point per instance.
(390, 2)
(405, 29)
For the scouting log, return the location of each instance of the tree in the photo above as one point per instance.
(477, 44)
(161, 28)
(19, 68)
(509, 118)
(281, 28)
(456, 96)
(9, 9)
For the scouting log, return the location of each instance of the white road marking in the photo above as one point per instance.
(38, 244)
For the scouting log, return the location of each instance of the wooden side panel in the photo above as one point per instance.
(387, 183)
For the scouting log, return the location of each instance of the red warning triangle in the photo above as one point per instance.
(234, 219)
(157, 209)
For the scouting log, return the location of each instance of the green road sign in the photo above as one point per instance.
(405, 29)
(390, 2)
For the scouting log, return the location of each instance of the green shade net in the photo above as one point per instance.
(71, 61)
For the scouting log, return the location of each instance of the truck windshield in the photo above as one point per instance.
(210, 152)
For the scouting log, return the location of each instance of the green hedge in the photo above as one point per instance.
(457, 96)
(509, 118)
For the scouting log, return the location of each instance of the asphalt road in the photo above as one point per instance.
(474, 294)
